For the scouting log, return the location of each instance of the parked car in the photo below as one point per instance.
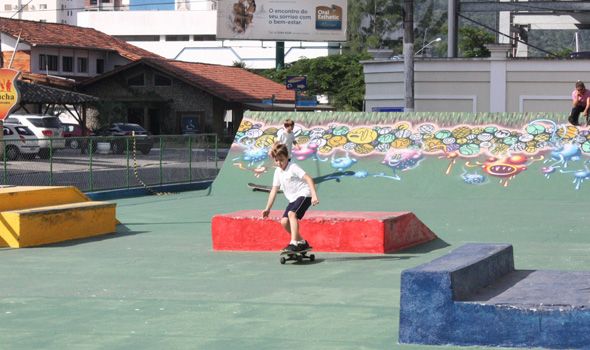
(143, 138)
(19, 141)
(44, 127)
(73, 134)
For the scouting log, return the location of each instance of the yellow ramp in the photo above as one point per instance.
(58, 223)
(36, 215)
(23, 197)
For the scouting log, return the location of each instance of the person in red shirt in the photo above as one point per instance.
(580, 104)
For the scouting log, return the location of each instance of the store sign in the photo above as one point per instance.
(9, 95)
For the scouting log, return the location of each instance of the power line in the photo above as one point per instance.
(508, 36)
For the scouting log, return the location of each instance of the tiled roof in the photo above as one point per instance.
(233, 84)
(35, 93)
(230, 83)
(64, 35)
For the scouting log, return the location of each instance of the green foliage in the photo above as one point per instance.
(340, 77)
(472, 41)
(110, 112)
(372, 24)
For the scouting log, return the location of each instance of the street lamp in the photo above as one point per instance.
(425, 46)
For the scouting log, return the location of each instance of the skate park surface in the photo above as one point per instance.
(157, 283)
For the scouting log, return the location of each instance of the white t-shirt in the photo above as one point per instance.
(291, 182)
(287, 138)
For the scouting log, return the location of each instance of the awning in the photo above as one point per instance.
(35, 93)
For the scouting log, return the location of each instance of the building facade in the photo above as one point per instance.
(56, 11)
(190, 35)
(495, 84)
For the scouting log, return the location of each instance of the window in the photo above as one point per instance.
(82, 65)
(99, 66)
(204, 37)
(47, 62)
(42, 62)
(67, 64)
(42, 6)
(138, 37)
(160, 80)
(177, 37)
(137, 80)
(7, 8)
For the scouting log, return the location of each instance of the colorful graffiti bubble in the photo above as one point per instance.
(467, 140)
(498, 151)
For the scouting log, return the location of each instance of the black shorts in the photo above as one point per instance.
(299, 206)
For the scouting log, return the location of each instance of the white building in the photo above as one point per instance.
(494, 84)
(188, 34)
(56, 11)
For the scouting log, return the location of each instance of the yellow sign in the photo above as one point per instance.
(9, 95)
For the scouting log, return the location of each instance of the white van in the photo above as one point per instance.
(45, 128)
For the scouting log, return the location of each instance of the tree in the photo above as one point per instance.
(472, 42)
(374, 24)
(340, 77)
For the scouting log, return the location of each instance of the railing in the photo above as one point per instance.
(105, 163)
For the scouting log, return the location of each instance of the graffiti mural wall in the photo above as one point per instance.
(367, 148)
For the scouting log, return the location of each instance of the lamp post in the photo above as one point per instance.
(427, 45)
(409, 55)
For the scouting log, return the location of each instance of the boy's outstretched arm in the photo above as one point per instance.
(314, 195)
(271, 199)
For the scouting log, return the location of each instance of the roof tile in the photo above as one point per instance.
(64, 35)
(230, 83)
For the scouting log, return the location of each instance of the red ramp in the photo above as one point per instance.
(327, 231)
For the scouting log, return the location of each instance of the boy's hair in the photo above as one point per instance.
(288, 122)
(279, 149)
(580, 84)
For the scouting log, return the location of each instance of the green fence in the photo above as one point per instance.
(105, 163)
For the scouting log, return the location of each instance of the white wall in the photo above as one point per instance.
(477, 85)
(52, 11)
(150, 22)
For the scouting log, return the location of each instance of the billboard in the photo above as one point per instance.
(281, 20)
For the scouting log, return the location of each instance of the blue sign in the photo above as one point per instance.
(296, 82)
(387, 109)
(306, 103)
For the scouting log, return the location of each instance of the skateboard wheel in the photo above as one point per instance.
(299, 258)
(312, 257)
(283, 260)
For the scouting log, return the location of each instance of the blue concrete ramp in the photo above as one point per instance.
(474, 296)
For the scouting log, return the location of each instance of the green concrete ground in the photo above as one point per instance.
(158, 285)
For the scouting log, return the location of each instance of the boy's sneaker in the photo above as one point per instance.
(302, 246)
(290, 248)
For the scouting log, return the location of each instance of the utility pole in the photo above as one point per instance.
(453, 29)
(409, 55)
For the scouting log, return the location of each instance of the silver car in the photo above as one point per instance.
(46, 128)
(18, 140)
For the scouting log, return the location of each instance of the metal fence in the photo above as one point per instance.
(105, 163)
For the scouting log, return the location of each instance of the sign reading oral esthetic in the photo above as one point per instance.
(9, 95)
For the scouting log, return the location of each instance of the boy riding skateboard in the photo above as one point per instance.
(299, 189)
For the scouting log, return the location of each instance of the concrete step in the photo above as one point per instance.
(326, 231)
(56, 223)
(22, 197)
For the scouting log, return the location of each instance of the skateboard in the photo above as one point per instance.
(287, 255)
(261, 188)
